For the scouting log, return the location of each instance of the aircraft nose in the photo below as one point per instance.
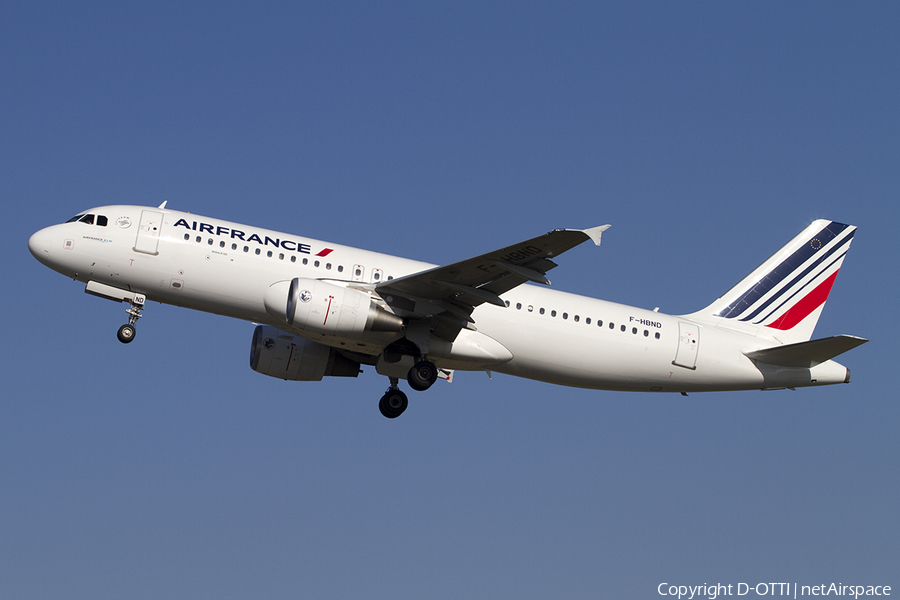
(39, 245)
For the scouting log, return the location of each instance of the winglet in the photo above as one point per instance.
(594, 233)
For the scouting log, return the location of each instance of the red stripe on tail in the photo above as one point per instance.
(804, 307)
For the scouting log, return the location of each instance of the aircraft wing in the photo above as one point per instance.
(452, 292)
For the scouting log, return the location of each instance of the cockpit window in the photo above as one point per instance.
(89, 219)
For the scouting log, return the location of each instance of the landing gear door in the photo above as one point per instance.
(688, 345)
(148, 232)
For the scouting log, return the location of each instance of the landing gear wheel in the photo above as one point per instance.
(126, 333)
(422, 375)
(393, 403)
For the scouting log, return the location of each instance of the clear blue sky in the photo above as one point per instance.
(708, 134)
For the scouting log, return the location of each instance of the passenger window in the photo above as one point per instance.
(622, 328)
(221, 244)
(657, 335)
(518, 306)
(565, 315)
(552, 313)
(541, 311)
(577, 318)
(587, 321)
(187, 237)
(612, 325)
(102, 221)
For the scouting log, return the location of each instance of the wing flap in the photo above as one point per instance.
(807, 354)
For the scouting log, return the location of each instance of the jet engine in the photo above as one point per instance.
(323, 307)
(278, 354)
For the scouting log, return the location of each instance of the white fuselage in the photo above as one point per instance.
(226, 268)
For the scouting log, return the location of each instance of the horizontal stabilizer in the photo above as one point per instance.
(807, 354)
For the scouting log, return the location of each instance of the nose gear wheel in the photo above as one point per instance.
(127, 332)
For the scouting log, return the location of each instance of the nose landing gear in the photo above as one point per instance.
(127, 332)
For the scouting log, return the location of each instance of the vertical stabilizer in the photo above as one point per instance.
(786, 294)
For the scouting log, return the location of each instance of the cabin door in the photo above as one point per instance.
(148, 232)
(688, 345)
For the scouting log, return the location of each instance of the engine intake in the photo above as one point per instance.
(323, 307)
(278, 354)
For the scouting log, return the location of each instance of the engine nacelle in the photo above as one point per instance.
(278, 354)
(323, 307)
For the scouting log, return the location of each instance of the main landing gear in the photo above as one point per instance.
(394, 401)
(420, 377)
(127, 332)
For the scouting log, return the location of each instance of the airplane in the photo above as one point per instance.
(325, 310)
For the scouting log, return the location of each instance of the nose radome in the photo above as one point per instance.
(39, 244)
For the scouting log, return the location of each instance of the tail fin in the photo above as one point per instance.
(786, 293)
